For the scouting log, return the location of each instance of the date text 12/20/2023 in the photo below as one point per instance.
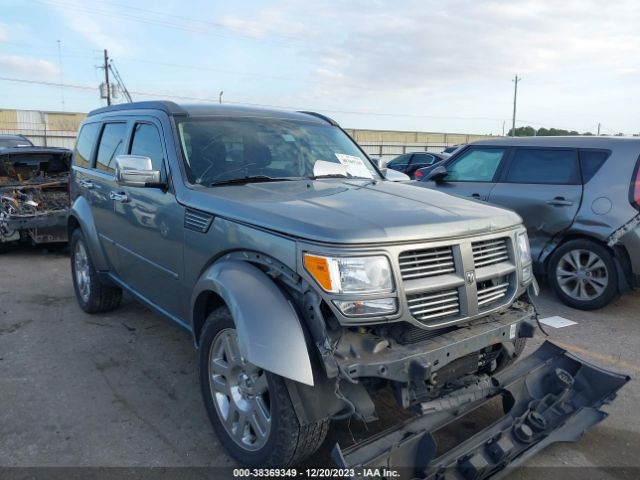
(315, 473)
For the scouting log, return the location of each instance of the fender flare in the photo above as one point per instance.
(80, 211)
(273, 341)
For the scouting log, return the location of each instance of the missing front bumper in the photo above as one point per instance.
(550, 396)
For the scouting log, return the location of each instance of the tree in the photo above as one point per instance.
(546, 132)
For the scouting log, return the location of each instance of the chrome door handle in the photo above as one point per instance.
(118, 196)
(88, 184)
(560, 202)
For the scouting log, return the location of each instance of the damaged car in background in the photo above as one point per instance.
(34, 198)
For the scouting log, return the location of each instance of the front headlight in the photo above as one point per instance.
(525, 256)
(350, 274)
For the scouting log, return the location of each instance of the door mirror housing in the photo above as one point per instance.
(438, 174)
(395, 176)
(136, 171)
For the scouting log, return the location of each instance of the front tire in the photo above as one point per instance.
(250, 408)
(583, 274)
(92, 295)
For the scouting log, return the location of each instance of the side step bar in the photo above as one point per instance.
(550, 396)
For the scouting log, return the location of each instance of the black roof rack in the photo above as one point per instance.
(170, 108)
(322, 117)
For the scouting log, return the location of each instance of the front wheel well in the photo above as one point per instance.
(72, 224)
(206, 303)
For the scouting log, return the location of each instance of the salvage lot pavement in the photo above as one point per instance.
(121, 389)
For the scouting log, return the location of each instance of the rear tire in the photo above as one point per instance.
(583, 274)
(93, 296)
(230, 403)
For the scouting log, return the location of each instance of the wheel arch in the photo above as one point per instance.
(275, 342)
(80, 217)
(618, 253)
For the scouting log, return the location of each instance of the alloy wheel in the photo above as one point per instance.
(240, 393)
(81, 271)
(582, 274)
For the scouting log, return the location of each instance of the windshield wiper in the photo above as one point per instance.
(251, 179)
(328, 175)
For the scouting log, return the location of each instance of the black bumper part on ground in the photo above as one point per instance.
(550, 396)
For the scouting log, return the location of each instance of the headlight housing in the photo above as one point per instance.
(358, 275)
(524, 251)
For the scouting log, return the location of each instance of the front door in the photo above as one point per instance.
(543, 186)
(150, 233)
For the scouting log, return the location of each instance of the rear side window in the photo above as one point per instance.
(84, 144)
(146, 142)
(111, 145)
(591, 161)
(547, 166)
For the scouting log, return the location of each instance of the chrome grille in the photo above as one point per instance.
(492, 290)
(426, 263)
(490, 252)
(427, 306)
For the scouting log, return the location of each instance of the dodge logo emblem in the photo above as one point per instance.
(470, 276)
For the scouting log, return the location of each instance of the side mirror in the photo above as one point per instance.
(136, 171)
(395, 176)
(438, 174)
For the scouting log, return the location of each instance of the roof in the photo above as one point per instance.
(567, 141)
(212, 109)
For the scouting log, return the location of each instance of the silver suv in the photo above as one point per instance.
(310, 282)
(579, 198)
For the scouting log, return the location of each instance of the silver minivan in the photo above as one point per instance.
(579, 199)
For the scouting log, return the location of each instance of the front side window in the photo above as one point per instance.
(146, 142)
(399, 163)
(84, 144)
(111, 145)
(547, 166)
(476, 165)
(218, 150)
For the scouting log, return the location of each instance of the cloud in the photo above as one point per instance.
(28, 67)
(412, 46)
(99, 27)
(4, 35)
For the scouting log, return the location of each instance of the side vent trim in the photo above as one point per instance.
(197, 221)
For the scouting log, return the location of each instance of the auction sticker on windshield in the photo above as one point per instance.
(355, 165)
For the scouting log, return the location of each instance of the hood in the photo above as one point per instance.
(352, 211)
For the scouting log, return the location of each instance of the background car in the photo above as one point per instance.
(8, 141)
(579, 198)
(408, 163)
(454, 148)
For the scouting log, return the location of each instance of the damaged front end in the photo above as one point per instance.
(34, 195)
(549, 396)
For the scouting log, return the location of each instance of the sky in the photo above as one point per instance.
(421, 65)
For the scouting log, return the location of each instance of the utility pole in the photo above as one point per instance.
(106, 76)
(220, 97)
(598, 130)
(503, 122)
(515, 98)
(61, 78)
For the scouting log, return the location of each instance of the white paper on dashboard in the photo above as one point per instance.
(355, 165)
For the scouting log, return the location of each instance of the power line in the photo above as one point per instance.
(265, 105)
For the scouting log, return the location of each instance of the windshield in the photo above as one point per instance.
(219, 150)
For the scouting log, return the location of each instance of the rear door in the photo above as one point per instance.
(473, 172)
(543, 186)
